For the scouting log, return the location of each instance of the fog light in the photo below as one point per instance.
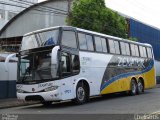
(20, 91)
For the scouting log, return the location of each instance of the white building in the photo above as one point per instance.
(9, 8)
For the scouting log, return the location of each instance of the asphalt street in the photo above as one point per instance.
(117, 104)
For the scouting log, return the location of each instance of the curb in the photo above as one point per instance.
(17, 104)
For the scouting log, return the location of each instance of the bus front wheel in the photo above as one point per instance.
(81, 93)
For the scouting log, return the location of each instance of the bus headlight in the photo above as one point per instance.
(20, 91)
(51, 88)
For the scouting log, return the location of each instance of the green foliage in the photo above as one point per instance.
(93, 15)
(133, 39)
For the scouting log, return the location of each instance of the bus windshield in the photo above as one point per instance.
(36, 67)
(45, 38)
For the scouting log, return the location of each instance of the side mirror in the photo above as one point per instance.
(54, 57)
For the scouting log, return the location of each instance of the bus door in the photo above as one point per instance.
(69, 61)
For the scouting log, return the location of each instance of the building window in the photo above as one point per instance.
(2, 14)
(11, 15)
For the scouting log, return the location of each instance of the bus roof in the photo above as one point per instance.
(87, 31)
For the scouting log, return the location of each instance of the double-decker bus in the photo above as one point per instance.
(68, 63)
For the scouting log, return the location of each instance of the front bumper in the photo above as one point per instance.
(41, 96)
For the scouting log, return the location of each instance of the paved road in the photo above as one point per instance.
(146, 103)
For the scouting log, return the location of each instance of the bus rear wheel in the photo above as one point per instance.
(133, 90)
(140, 87)
(81, 94)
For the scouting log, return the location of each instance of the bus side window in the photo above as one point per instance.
(123, 48)
(104, 45)
(116, 47)
(149, 52)
(65, 64)
(141, 51)
(82, 41)
(69, 39)
(127, 49)
(98, 44)
(144, 51)
(90, 42)
(133, 51)
(75, 63)
(111, 46)
(136, 50)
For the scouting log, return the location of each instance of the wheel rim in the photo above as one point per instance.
(133, 87)
(140, 87)
(80, 93)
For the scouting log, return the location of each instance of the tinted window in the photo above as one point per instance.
(123, 48)
(104, 45)
(69, 39)
(144, 52)
(127, 49)
(111, 46)
(114, 46)
(149, 52)
(48, 38)
(75, 63)
(82, 41)
(134, 50)
(89, 42)
(98, 44)
(141, 51)
(65, 63)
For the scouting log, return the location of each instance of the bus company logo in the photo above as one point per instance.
(9, 117)
(44, 85)
(129, 62)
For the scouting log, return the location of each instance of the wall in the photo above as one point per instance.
(146, 34)
(157, 66)
(8, 80)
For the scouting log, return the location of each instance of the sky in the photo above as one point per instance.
(146, 11)
(41, 0)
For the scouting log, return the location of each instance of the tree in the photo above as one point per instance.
(93, 15)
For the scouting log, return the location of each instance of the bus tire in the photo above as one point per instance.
(140, 87)
(46, 103)
(81, 94)
(133, 90)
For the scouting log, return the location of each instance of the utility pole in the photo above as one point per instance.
(69, 7)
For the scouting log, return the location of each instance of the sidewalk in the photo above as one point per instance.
(13, 102)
